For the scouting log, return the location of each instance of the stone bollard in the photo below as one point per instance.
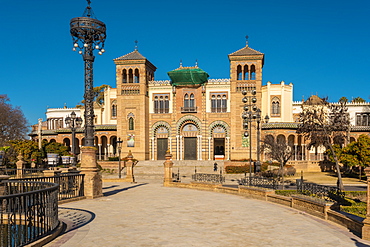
(93, 184)
(366, 221)
(20, 166)
(130, 168)
(3, 179)
(168, 164)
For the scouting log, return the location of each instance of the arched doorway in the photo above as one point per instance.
(189, 133)
(219, 134)
(162, 142)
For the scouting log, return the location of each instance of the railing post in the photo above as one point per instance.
(168, 164)
(366, 221)
(130, 168)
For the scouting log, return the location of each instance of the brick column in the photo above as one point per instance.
(168, 164)
(93, 184)
(366, 221)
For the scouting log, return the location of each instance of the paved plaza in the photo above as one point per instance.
(148, 214)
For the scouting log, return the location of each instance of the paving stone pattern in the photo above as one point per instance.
(148, 214)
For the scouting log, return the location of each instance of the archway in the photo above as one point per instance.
(190, 132)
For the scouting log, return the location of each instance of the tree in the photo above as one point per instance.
(358, 100)
(98, 95)
(28, 149)
(320, 122)
(278, 150)
(357, 153)
(343, 100)
(13, 124)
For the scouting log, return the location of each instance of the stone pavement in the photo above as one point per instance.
(148, 214)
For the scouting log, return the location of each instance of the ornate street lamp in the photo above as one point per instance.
(73, 122)
(251, 113)
(119, 142)
(88, 34)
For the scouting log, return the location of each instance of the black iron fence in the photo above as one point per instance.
(208, 178)
(70, 185)
(27, 172)
(329, 193)
(263, 182)
(28, 211)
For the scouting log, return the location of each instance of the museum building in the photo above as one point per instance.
(193, 116)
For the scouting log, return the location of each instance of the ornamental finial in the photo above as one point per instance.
(136, 47)
(246, 39)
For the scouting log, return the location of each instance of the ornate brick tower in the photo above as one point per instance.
(245, 74)
(133, 72)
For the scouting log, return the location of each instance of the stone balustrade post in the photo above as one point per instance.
(130, 163)
(366, 221)
(168, 164)
(20, 166)
(93, 183)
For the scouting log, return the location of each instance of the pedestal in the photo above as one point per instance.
(93, 184)
(366, 221)
(130, 168)
(168, 164)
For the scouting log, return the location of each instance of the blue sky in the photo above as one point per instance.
(321, 46)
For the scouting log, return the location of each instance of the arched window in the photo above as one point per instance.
(156, 104)
(246, 72)
(166, 104)
(124, 76)
(137, 78)
(186, 100)
(275, 106)
(131, 123)
(239, 72)
(218, 102)
(130, 76)
(223, 103)
(161, 103)
(192, 101)
(114, 109)
(253, 72)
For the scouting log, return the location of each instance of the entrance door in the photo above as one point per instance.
(190, 148)
(219, 148)
(162, 146)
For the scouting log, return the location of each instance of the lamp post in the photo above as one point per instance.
(259, 126)
(119, 142)
(88, 34)
(251, 113)
(73, 122)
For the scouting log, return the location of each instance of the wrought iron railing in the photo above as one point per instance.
(329, 193)
(70, 185)
(208, 178)
(263, 182)
(28, 211)
(27, 172)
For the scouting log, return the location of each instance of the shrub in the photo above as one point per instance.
(237, 169)
(113, 158)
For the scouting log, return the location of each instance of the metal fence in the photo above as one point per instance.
(70, 185)
(263, 182)
(330, 193)
(27, 172)
(28, 211)
(208, 178)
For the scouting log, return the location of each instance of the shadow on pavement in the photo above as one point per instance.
(75, 218)
(113, 192)
(113, 186)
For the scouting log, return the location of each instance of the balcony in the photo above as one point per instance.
(189, 109)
